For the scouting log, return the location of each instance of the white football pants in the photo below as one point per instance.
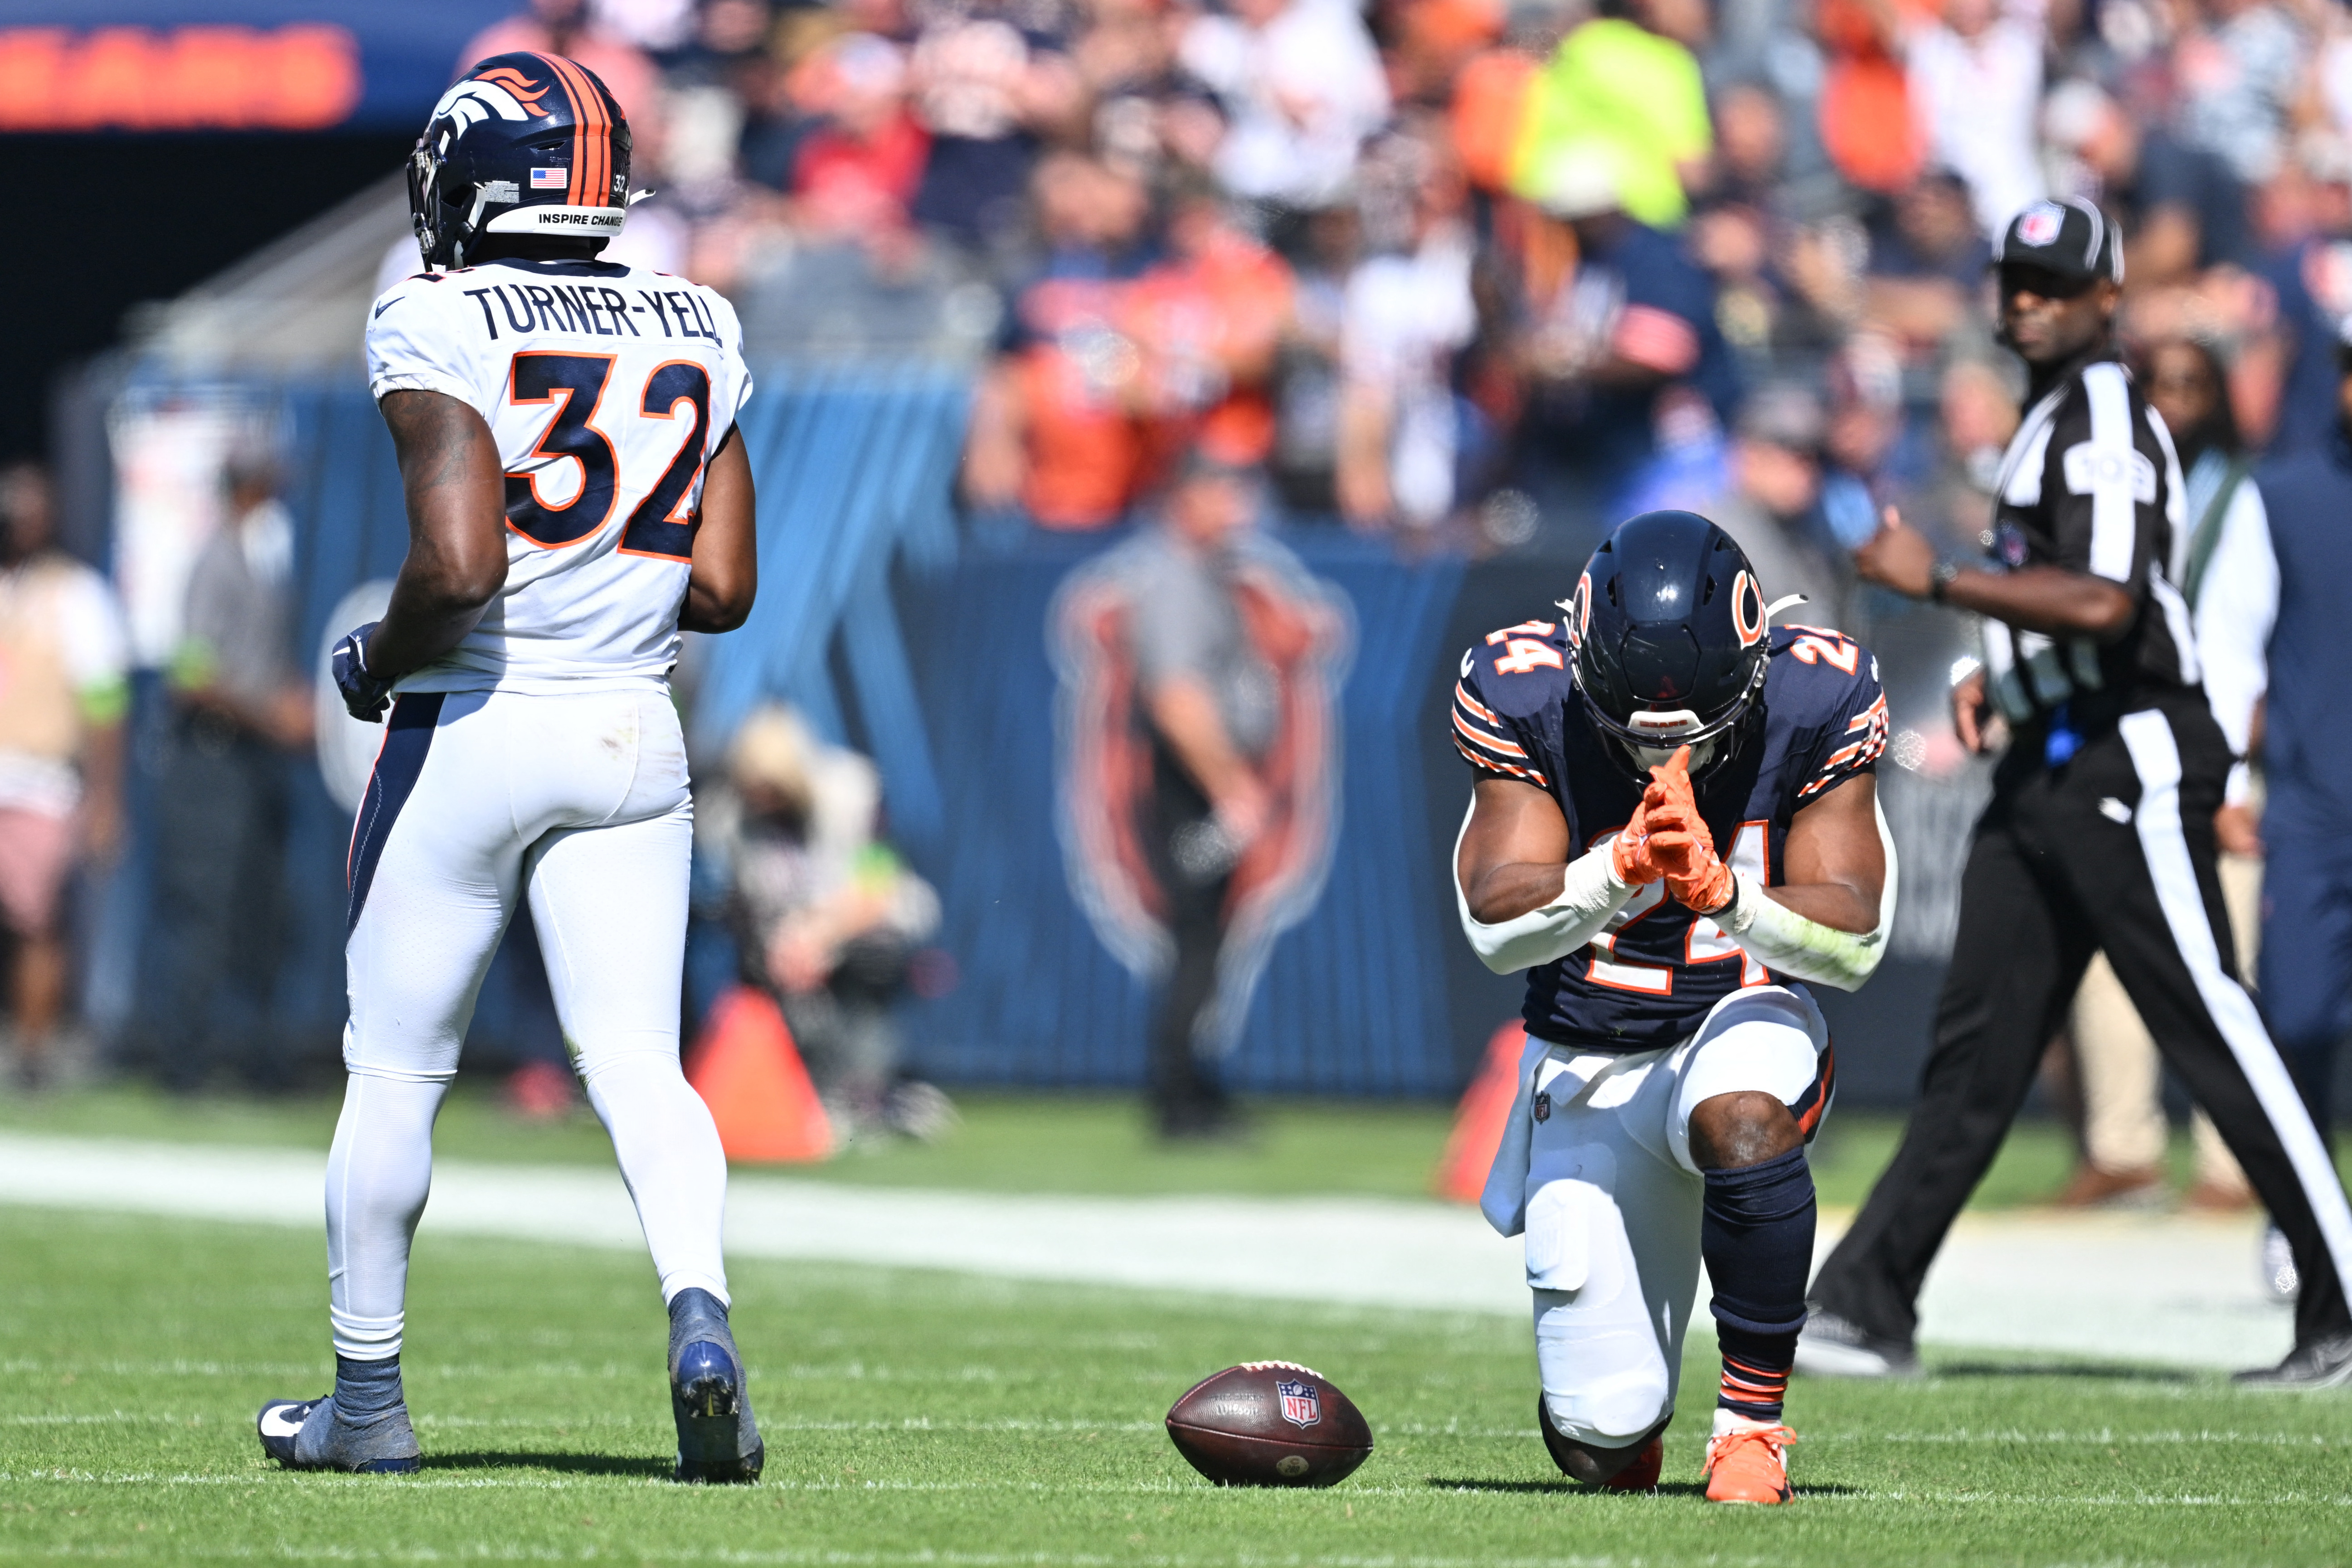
(1613, 1200)
(578, 802)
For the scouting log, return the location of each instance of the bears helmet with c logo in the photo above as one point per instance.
(1669, 630)
(522, 143)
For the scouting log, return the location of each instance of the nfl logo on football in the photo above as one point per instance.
(1301, 1403)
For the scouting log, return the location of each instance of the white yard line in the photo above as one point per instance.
(2120, 1289)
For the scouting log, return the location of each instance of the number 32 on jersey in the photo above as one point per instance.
(662, 525)
(1706, 941)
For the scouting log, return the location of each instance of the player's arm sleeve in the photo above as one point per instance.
(1590, 890)
(1591, 894)
(2237, 604)
(1789, 944)
(1492, 744)
(415, 343)
(2102, 489)
(1850, 743)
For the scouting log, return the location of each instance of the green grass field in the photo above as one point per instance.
(931, 1418)
(936, 1418)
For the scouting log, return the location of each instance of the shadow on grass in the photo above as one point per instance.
(567, 1464)
(2124, 1371)
(1664, 1489)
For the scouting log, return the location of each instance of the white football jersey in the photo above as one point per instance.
(607, 389)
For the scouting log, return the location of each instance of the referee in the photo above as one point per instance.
(2100, 833)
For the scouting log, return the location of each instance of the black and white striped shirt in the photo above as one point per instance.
(2090, 481)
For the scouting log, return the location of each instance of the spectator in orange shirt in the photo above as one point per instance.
(856, 172)
(1056, 425)
(1867, 122)
(1208, 321)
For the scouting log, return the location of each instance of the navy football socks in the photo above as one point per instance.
(1756, 1232)
(366, 1391)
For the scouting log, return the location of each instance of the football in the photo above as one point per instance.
(1269, 1424)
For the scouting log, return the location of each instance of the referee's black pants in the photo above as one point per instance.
(2111, 852)
(1195, 869)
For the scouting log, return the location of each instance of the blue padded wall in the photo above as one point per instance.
(930, 654)
(1352, 1000)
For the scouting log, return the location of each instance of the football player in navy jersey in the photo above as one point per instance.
(1674, 821)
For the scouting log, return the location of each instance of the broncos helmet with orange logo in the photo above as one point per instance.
(522, 143)
(1668, 628)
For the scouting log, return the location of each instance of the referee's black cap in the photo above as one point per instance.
(2072, 241)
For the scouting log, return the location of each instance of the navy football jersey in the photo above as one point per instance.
(1649, 980)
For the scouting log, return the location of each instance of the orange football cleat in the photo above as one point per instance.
(1746, 1461)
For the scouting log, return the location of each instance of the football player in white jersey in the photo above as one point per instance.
(577, 495)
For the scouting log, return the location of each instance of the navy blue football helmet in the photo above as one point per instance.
(522, 143)
(1668, 628)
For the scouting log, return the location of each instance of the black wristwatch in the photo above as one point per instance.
(1940, 578)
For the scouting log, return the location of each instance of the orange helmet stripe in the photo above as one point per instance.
(596, 133)
(571, 85)
(592, 138)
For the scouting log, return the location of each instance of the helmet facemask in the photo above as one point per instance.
(1676, 658)
(1649, 737)
(425, 214)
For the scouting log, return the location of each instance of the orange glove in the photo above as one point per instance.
(1670, 787)
(1708, 888)
(1679, 844)
(1629, 852)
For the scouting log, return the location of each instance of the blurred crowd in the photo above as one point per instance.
(1481, 274)
(1471, 276)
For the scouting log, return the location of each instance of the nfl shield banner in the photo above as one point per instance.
(1301, 1402)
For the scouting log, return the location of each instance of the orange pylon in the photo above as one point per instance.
(747, 1070)
(1486, 1106)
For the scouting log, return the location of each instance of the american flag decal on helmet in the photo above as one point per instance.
(1302, 1402)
